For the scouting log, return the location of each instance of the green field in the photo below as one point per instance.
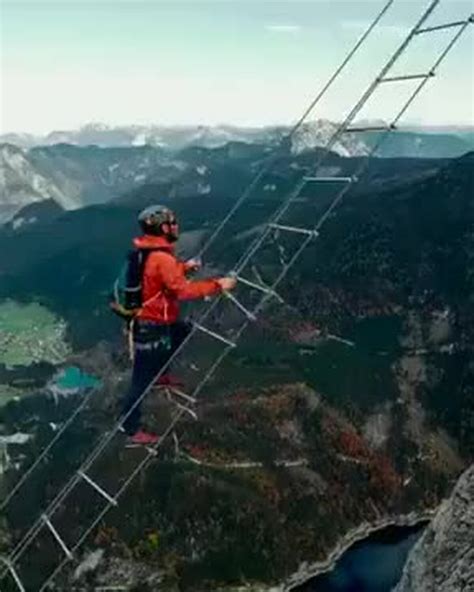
(30, 333)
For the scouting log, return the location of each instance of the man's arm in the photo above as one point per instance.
(172, 274)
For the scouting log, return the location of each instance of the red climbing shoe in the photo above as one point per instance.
(169, 380)
(144, 438)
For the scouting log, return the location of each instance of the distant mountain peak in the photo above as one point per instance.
(318, 133)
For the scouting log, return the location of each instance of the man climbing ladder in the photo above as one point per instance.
(156, 329)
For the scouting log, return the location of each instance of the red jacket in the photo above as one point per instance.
(164, 282)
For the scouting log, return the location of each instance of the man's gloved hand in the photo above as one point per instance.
(227, 283)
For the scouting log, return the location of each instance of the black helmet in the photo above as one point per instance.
(152, 217)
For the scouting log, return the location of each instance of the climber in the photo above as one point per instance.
(157, 330)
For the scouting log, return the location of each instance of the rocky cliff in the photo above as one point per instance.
(443, 559)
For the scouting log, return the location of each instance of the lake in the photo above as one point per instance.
(372, 565)
(73, 378)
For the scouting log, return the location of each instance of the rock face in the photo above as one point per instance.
(21, 183)
(443, 559)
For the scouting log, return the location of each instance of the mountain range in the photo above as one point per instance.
(448, 141)
(98, 163)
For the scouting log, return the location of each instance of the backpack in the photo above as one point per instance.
(126, 297)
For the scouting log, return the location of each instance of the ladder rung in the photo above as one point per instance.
(192, 413)
(15, 576)
(263, 289)
(408, 77)
(180, 405)
(439, 27)
(215, 335)
(55, 533)
(240, 306)
(99, 489)
(306, 231)
(372, 128)
(175, 442)
(331, 179)
(180, 393)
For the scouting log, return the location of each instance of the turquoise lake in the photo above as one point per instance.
(73, 377)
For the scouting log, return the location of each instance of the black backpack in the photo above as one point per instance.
(126, 298)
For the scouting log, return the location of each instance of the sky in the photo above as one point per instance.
(65, 63)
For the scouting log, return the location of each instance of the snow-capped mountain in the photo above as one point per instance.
(169, 137)
(318, 133)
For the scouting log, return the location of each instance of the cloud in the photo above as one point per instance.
(283, 28)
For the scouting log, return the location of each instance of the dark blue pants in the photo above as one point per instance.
(154, 344)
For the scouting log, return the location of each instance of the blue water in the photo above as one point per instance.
(74, 378)
(374, 565)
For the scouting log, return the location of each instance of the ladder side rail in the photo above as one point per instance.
(9, 568)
